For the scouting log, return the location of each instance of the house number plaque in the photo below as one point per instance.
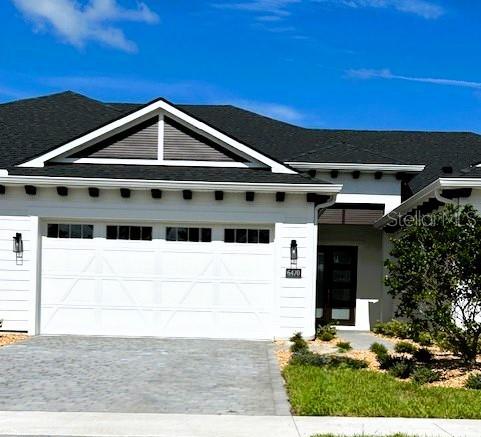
(293, 273)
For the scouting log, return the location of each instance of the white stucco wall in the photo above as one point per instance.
(292, 219)
(368, 240)
(366, 189)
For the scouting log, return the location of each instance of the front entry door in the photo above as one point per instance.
(336, 284)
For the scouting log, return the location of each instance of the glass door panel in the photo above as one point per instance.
(336, 284)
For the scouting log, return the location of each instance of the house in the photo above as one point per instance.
(205, 220)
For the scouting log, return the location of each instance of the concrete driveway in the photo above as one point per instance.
(147, 375)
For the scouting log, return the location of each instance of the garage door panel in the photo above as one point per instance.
(247, 295)
(189, 324)
(197, 295)
(69, 320)
(68, 259)
(126, 321)
(115, 292)
(242, 325)
(157, 288)
(246, 265)
(129, 262)
(185, 264)
(68, 290)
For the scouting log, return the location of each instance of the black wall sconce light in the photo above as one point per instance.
(293, 253)
(18, 246)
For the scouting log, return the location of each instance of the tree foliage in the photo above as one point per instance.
(434, 274)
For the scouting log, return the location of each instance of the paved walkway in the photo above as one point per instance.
(141, 375)
(362, 340)
(172, 425)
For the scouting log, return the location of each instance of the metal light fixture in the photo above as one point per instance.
(293, 252)
(18, 246)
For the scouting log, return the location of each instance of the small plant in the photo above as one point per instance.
(343, 346)
(326, 332)
(332, 361)
(404, 347)
(474, 381)
(424, 375)
(393, 328)
(347, 362)
(386, 361)
(402, 368)
(298, 343)
(378, 349)
(423, 355)
(424, 339)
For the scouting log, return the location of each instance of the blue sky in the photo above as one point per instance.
(358, 64)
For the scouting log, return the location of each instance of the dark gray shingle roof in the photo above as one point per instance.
(33, 126)
(166, 173)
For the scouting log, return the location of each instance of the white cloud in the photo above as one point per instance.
(78, 24)
(273, 110)
(387, 74)
(134, 89)
(422, 8)
(270, 10)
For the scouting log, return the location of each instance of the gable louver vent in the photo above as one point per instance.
(183, 144)
(138, 142)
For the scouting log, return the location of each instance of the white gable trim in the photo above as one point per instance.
(143, 114)
(181, 163)
(433, 189)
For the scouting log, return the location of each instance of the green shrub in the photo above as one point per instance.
(343, 346)
(404, 347)
(424, 339)
(298, 343)
(402, 368)
(393, 328)
(331, 361)
(326, 332)
(423, 355)
(425, 375)
(474, 381)
(346, 362)
(378, 349)
(386, 361)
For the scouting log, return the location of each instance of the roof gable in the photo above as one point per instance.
(159, 108)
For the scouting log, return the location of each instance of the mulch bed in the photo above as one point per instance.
(11, 338)
(453, 372)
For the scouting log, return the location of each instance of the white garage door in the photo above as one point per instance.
(147, 280)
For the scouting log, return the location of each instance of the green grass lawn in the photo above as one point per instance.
(316, 391)
(360, 435)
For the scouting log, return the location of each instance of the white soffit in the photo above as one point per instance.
(353, 166)
(169, 184)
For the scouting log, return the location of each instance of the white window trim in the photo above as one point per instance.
(144, 113)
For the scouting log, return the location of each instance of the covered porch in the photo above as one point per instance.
(350, 256)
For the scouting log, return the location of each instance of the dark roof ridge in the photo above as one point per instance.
(364, 149)
(393, 131)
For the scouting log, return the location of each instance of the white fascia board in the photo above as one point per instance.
(169, 185)
(426, 193)
(348, 166)
(460, 182)
(143, 113)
